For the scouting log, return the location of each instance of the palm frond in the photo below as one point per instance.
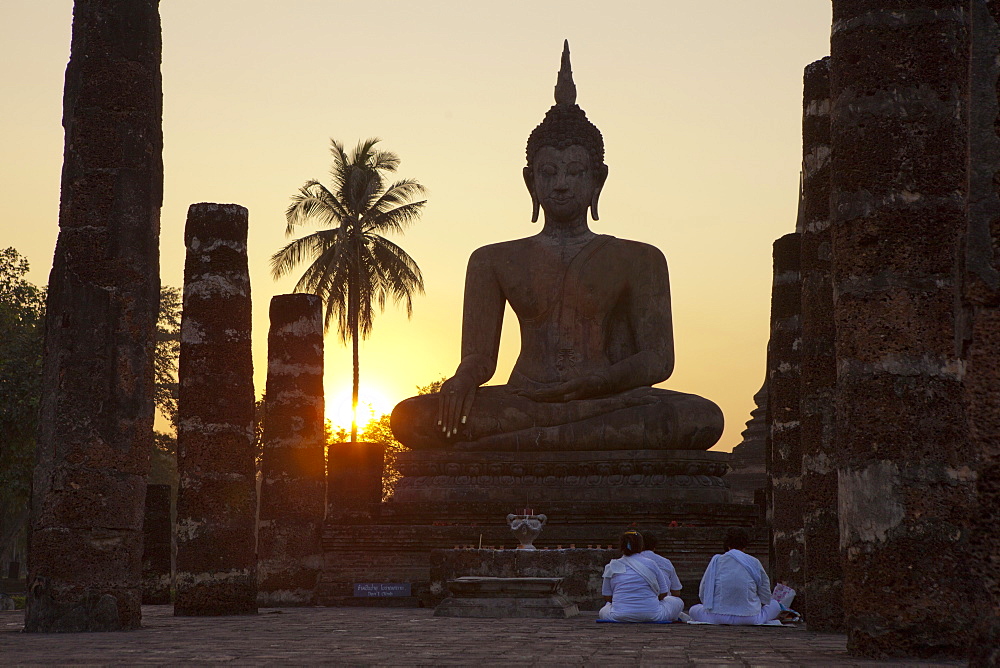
(294, 253)
(400, 192)
(394, 220)
(314, 202)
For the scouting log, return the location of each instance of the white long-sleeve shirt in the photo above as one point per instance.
(736, 593)
(664, 565)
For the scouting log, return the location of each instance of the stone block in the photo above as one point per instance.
(495, 597)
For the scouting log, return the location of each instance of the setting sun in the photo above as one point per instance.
(372, 403)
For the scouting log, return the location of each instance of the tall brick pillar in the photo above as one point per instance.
(96, 420)
(823, 586)
(784, 452)
(217, 495)
(899, 81)
(293, 491)
(980, 335)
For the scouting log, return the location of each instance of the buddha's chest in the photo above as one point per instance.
(562, 290)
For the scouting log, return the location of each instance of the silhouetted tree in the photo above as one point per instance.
(353, 268)
(22, 317)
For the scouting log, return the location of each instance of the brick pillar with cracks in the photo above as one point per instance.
(217, 495)
(899, 81)
(785, 447)
(823, 573)
(980, 333)
(96, 417)
(293, 490)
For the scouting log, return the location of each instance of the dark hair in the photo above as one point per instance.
(631, 542)
(736, 538)
(649, 540)
(566, 125)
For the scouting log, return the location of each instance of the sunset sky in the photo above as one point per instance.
(699, 103)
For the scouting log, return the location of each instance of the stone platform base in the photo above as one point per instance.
(424, 556)
(692, 476)
(448, 500)
(506, 597)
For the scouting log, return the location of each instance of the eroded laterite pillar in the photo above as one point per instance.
(823, 585)
(784, 444)
(96, 421)
(217, 496)
(980, 335)
(899, 136)
(293, 490)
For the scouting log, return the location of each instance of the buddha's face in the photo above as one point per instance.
(564, 183)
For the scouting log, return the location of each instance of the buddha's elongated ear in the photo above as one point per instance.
(529, 181)
(599, 178)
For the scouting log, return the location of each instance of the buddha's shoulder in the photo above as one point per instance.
(503, 249)
(637, 249)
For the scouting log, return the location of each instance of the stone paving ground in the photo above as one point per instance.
(399, 636)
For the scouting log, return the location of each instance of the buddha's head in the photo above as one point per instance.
(565, 171)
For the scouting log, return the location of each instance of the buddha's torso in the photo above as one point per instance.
(569, 301)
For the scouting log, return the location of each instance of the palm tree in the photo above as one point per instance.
(352, 266)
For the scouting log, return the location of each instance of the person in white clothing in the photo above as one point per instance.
(735, 589)
(649, 543)
(635, 589)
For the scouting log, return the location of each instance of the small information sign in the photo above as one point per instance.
(381, 589)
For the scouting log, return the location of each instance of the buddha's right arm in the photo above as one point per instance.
(482, 320)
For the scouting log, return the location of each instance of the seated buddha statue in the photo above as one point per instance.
(595, 322)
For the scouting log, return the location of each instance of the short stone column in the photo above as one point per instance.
(823, 585)
(157, 531)
(354, 490)
(899, 80)
(293, 489)
(784, 444)
(95, 429)
(981, 327)
(217, 497)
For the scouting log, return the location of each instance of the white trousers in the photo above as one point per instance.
(767, 613)
(670, 608)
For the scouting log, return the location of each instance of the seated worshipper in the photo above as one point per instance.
(735, 587)
(635, 589)
(649, 544)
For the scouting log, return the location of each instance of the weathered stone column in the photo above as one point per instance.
(784, 444)
(96, 422)
(899, 134)
(293, 491)
(823, 585)
(156, 543)
(217, 496)
(981, 327)
(355, 481)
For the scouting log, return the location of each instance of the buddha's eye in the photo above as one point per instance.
(548, 170)
(575, 169)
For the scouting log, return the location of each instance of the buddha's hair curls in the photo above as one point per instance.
(566, 125)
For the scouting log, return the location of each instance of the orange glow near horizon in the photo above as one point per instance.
(372, 403)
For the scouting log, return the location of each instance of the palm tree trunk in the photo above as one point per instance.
(354, 306)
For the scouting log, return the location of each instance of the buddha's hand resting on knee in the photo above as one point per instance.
(577, 388)
(455, 403)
